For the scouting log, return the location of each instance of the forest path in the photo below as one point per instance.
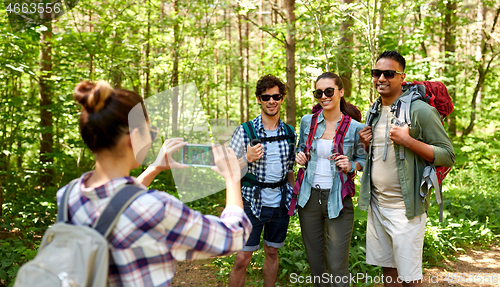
(473, 268)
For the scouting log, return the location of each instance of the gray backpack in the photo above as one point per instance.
(76, 256)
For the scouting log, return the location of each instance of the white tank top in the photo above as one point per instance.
(323, 174)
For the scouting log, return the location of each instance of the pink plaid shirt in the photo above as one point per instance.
(156, 231)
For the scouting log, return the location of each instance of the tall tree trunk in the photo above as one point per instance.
(216, 79)
(247, 60)
(375, 27)
(228, 59)
(115, 71)
(261, 22)
(449, 50)
(46, 121)
(4, 157)
(290, 62)
(420, 22)
(91, 52)
(483, 69)
(175, 73)
(274, 14)
(481, 13)
(148, 50)
(240, 38)
(345, 52)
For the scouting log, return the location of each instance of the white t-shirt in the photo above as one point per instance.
(385, 178)
(323, 174)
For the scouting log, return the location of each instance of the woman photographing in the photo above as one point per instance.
(156, 230)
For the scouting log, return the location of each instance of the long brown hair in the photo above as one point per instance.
(345, 107)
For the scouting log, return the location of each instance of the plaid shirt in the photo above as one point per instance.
(155, 232)
(239, 142)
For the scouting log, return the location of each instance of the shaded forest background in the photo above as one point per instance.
(224, 47)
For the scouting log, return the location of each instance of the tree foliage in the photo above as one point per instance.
(153, 45)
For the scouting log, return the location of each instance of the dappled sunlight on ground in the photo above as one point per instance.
(471, 269)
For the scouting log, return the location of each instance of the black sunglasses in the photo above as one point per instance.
(276, 97)
(328, 92)
(388, 74)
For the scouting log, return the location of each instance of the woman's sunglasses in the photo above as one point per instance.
(388, 74)
(276, 97)
(328, 92)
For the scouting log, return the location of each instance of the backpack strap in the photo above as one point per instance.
(430, 180)
(250, 130)
(338, 143)
(312, 130)
(340, 134)
(62, 212)
(249, 179)
(287, 137)
(290, 137)
(372, 113)
(116, 206)
(401, 109)
(289, 133)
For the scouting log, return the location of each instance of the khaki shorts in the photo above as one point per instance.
(394, 241)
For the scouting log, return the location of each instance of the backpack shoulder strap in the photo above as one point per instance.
(116, 206)
(289, 129)
(250, 130)
(340, 134)
(372, 113)
(338, 141)
(62, 211)
(289, 132)
(402, 108)
(312, 130)
(291, 139)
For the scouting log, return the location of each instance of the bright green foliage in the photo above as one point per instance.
(134, 46)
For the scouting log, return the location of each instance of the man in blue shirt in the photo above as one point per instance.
(268, 186)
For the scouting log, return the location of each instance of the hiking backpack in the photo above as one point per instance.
(436, 95)
(76, 256)
(348, 187)
(250, 179)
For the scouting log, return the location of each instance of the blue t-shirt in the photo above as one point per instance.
(271, 197)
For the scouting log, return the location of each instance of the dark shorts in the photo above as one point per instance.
(275, 227)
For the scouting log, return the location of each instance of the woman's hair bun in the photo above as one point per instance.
(93, 96)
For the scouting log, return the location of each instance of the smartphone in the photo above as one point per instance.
(198, 155)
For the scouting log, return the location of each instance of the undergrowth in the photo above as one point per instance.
(471, 219)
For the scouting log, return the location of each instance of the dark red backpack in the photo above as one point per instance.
(348, 187)
(433, 93)
(436, 95)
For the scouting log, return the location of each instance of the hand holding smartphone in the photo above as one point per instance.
(229, 168)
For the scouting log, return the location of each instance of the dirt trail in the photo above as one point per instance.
(196, 273)
(475, 268)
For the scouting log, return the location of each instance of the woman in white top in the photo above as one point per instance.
(326, 214)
